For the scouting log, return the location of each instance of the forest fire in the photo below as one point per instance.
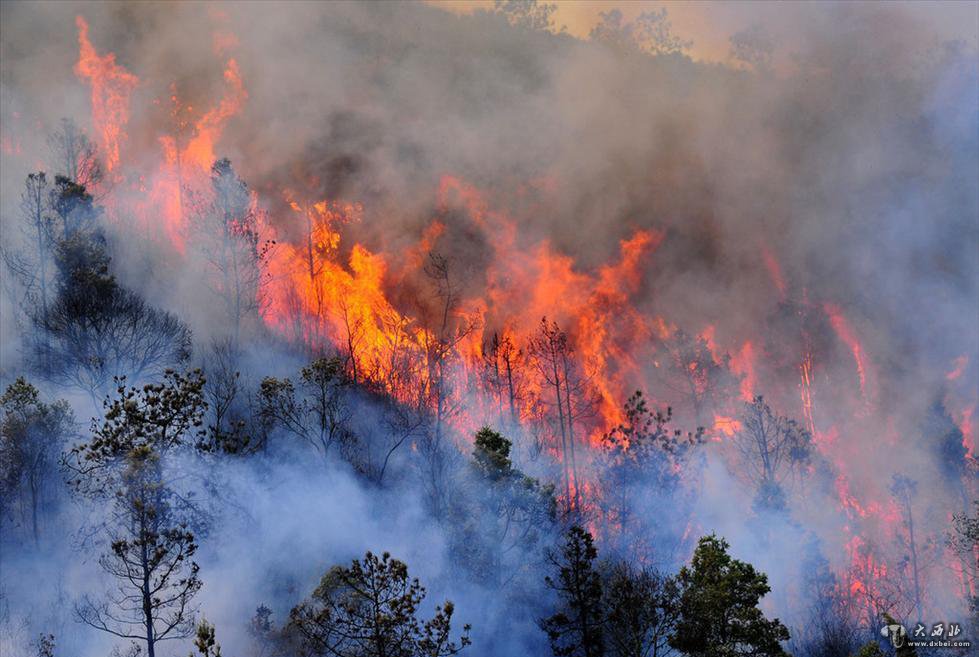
(582, 359)
(112, 86)
(577, 347)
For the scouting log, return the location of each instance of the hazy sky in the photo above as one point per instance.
(710, 23)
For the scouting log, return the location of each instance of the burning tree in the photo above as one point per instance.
(448, 328)
(690, 374)
(76, 155)
(503, 377)
(227, 230)
(640, 466)
(771, 447)
(904, 489)
(320, 221)
(572, 400)
(831, 626)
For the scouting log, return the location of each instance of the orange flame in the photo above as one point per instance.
(112, 86)
(849, 337)
(743, 364)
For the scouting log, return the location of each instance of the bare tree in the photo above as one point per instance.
(379, 432)
(226, 226)
(688, 370)
(232, 427)
(651, 32)
(318, 412)
(573, 400)
(31, 262)
(904, 489)
(448, 327)
(124, 336)
(770, 447)
(75, 155)
(503, 377)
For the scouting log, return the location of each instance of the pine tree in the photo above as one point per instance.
(719, 614)
(576, 628)
(370, 609)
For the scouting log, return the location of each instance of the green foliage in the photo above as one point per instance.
(719, 614)
(94, 329)
(491, 455)
(263, 632)
(645, 437)
(527, 14)
(150, 559)
(370, 609)
(576, 628)
(156, 416)
(870, 649)
(205, 640)
(501, 509)
(753, 47)
(45, 645)
(642, 608)
(32, 434)
(650, 32)
(639, 466)
(315, 409)
(73, 207)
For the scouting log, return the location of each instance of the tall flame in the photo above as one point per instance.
(112, 86)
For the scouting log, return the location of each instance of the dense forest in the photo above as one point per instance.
(378, 330)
